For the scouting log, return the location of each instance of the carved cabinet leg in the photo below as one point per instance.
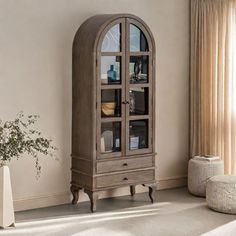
(132, 190)
(93, 196)
(152, 190)
(75, 192)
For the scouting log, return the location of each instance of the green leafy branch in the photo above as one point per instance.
(18, 137)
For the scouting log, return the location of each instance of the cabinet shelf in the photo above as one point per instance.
(112, 53)
(139, 85)
(111, 119)
(139, 53)
(139, 117)
(111, 86)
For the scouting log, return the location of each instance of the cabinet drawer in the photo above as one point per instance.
(126, 178)
(125, 164)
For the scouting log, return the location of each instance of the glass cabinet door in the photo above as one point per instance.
(124, 92)
(111, 93)
(138, 92)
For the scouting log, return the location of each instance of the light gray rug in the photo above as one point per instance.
(176, 213)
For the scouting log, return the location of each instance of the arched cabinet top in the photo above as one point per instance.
(92, 32)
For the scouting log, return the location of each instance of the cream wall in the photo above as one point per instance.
(35, 73)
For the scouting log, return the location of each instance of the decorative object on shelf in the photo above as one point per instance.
(108, 108)
(131, 102)
(107, 139)
(103, 144)
(134, 143)
(113, 155)
(137, 69)
(111, 75)
(117, 144)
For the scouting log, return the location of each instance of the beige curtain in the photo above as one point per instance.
(213, 80)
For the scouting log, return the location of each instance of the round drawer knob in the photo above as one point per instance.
(125, 164)
(125, 179)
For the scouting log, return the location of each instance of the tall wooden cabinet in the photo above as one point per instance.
(113, 106)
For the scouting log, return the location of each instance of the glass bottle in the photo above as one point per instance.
(111, 74)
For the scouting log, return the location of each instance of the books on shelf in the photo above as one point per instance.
(207, 158)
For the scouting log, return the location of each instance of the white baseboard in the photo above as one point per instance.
(64, 198)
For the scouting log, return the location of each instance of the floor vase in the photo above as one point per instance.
(7, 217)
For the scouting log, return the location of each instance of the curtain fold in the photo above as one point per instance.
(213, 80)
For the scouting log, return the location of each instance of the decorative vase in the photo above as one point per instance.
(7, 217)
(137, 69)
(111, 74)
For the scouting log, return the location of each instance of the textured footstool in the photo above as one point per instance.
(199, 171)
(221, 193)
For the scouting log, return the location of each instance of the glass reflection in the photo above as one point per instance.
(138, 101)
(138, 69)
(138, 41)
(138, 134)
(111, 41)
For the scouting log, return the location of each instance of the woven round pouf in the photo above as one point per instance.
(199, 171)
(221, 193)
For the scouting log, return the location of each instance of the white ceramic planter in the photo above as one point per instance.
(7, 217)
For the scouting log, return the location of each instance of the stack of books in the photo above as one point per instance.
(207, 158)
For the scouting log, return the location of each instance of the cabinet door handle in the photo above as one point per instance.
(127, 102)
(124, 103)
(125, 164)
(125, 179)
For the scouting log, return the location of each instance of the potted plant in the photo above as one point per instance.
(18, 137)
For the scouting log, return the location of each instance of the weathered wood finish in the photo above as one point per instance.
(124, 164)
(134, 177)
(91, 170)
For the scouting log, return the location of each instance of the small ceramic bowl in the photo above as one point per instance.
(108, 108)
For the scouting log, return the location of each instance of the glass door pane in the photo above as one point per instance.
(138, 101)
(111, 103)
(110, 137)
(112, 40)
(138, 134)
(138, 69)
(110, 70)
(138, 41)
